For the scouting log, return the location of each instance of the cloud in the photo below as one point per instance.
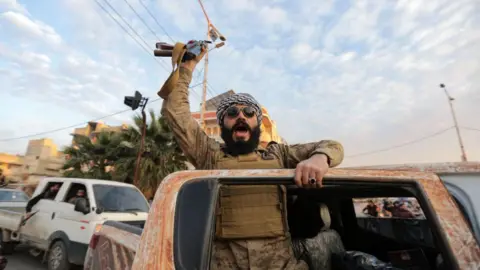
(364, 73)
(12, 5)
(32, 29)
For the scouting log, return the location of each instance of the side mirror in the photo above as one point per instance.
(81, 206)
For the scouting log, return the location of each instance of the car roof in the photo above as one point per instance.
(84, 180)
(11, 189)
(439, 167)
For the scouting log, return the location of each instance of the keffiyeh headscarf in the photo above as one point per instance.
(238, 99)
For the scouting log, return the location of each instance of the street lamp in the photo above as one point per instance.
(134, 102)
(450, 102)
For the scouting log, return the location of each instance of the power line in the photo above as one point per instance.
(210, 88)
(141, 19)
(78, 124)
(469, 128)
(126, 31)
(146, 25)
(69, 127)
(156, 21)
(401, 145)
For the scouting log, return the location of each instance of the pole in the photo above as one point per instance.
(142, 142)
(205, 71)
(460, 141)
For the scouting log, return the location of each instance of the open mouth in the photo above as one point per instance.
(241, 131)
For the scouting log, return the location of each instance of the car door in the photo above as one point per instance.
(75, 224)
(38, 228)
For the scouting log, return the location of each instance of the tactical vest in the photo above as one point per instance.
(251, 211)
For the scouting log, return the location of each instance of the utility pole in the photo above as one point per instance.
(205, 73)
(212, 35)
(460, 141)
(134, 102)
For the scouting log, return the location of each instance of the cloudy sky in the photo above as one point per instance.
(364, 72)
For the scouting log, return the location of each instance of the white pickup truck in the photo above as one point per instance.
(69, 212)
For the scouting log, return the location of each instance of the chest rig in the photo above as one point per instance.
(251, 211)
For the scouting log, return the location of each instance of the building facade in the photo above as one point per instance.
(11, 166)
(42, 159)
(94, 128)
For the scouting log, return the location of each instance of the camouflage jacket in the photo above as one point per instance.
(203, 151)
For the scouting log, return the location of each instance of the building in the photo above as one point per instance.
(268, 127)
(11, 166)
(94, 128)
(42, 159)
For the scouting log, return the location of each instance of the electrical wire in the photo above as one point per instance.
(141, 19)
(470, 128)
(140, 37)
(79, 124)
(69, 127)
(146, 25)
(400, 145)
(156, 21)
(126, 31)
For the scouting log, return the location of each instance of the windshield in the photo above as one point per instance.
(119, 199)
(13, 196)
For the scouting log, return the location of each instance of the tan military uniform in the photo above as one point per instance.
(251, 222)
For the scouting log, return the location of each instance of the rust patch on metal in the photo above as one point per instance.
(443, 167)
(155, 250)
(115, 250)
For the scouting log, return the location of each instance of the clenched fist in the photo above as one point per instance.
(191, 64)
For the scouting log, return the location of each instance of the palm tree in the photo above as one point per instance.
(91, 159)
(161, 155)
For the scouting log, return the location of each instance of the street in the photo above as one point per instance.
(22, 260)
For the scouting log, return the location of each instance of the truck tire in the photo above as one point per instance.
(58, 257)
(6, 248)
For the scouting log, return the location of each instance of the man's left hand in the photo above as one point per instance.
(313, 168)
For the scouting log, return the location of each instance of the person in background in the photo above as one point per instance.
(49, 194)
(371, 209)
(79, 195)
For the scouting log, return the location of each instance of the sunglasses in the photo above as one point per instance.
(235, 111)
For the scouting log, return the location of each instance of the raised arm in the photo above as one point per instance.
(194, 142)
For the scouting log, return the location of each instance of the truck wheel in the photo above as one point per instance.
(7, 248)
(58, 257)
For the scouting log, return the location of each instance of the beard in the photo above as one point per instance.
(240, 147)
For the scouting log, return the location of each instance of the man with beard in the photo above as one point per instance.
(251, 221)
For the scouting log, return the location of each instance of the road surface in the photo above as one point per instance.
(21, 259)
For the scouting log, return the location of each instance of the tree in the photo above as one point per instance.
(91, 159)
(161, 155)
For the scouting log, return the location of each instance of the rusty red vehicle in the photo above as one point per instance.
(179, 231)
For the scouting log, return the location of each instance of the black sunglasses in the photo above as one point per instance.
(235, 111)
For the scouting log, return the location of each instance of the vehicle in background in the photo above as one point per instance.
(13, 200)
(69, 211)
(180, 230)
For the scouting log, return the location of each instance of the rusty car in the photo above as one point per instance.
(179, 231)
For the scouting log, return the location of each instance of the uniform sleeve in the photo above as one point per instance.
(194, 142)
(291, 155)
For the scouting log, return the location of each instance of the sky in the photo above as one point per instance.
(363, 72)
